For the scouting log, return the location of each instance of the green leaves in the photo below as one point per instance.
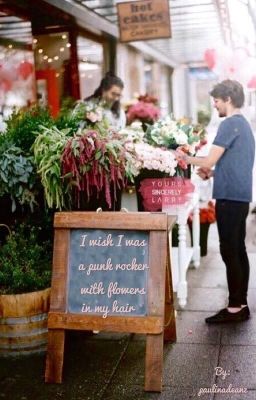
(25, 261)
(24, 125)
(17, 175)
(48, 148)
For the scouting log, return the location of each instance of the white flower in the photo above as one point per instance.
(136, 125)
(180, 137)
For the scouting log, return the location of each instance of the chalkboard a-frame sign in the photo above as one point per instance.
(111, 272)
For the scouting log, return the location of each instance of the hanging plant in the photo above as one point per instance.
(90, 162)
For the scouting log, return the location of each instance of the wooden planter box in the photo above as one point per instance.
(23, 322)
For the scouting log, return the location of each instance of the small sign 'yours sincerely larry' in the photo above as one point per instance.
(108, 272)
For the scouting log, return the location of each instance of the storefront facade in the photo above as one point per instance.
(62, 60)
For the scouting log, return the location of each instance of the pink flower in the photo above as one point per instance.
(145, 112)
(93, 116)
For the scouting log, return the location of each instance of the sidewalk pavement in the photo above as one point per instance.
(111, 366)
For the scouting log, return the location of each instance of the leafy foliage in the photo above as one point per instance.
(67, 118)
(48, 148)
(17, 174)
(25, 261)
(24, 125)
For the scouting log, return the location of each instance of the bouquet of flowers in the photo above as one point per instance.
(143, 111)
(91, 114)
(171, 134)
(207, 214)
(141, 155)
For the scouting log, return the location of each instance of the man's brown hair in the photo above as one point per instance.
(229, 88)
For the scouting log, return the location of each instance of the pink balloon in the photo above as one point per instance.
(252, 82)
(210, 58)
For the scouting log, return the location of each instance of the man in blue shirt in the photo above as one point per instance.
(232, 154)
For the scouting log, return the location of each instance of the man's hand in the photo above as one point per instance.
(205, 173)
(181, 155)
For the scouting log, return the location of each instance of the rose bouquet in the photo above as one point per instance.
(143, 111)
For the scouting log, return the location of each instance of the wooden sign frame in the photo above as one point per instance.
(143, 20)
(158, 324)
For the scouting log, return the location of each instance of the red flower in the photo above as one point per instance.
(207, 214)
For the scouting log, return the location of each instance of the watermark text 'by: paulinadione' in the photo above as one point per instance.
(219, 371)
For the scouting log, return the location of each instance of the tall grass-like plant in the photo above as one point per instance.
(48, 148)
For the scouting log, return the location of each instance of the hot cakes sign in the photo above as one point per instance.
(143, 20)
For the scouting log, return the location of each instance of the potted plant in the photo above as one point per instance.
(151, 151)
(85, 169)
(207, 217)
(25, 276)
(25, 253)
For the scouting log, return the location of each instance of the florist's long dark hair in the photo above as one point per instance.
(106, 83)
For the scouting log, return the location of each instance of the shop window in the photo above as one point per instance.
(52, 56)
(17, 77)
(90, 59)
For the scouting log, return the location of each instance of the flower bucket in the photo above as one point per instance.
(23, 323)
(145, 174)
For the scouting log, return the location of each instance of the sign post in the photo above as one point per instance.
(111, 272)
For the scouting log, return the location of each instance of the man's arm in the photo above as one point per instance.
(204, 162)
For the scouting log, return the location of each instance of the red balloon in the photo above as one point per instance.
(252, 82)
(5, 85)
(210, 58)
(25, 69)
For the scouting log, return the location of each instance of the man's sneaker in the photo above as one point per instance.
(225, 316)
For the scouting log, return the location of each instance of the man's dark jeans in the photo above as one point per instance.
(231, 223)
